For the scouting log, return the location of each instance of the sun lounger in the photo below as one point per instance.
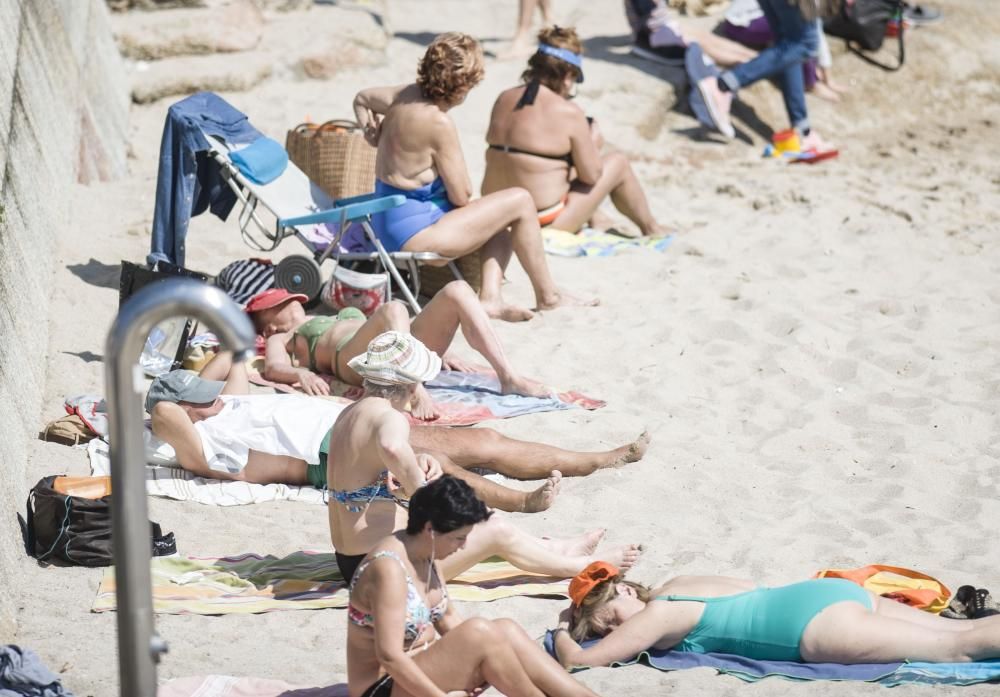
(302, 210)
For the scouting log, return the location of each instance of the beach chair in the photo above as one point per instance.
(302, 210)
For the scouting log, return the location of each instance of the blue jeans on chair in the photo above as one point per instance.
(796, 40)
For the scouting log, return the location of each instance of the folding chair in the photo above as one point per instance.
(298, 205)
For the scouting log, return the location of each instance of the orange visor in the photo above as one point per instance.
(596, 573)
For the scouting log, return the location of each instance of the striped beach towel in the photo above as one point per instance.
(593, 243)
(250, 584)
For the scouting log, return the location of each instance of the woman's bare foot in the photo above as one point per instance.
(580, 546)
(450, 361)
(520, 47)
(656, 231)
(564, 299)
(824, 91)
(422, 406)
(507, 313)
(516, 384)
(541, 498)
(632, 452)
(623, 557)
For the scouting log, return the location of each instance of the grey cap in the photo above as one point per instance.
(182, 386)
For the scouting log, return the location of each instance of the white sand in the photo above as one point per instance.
(817, 359)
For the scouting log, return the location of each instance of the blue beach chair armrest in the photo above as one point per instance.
(351, 212)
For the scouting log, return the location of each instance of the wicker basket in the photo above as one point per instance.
(335, 155)
(434, 278)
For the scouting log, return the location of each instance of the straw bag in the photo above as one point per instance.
(434, 278)
(335, 155)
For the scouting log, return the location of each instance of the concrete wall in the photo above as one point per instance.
(63, 119)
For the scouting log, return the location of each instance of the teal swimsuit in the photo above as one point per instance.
(767, 623)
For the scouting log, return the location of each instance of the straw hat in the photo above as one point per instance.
(394, 358)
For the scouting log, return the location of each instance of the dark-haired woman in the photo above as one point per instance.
(541, 141)
(825, 620)
(405, 638)
(420, 157)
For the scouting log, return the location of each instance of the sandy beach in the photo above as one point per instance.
(816, 356)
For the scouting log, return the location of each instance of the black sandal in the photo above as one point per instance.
(981, 605)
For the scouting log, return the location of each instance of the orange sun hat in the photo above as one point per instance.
(596, 573)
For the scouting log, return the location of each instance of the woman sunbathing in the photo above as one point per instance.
(405, 637)
(371, 467)
(300, 346)
(819, 621)
(420, 157)
(541, 141)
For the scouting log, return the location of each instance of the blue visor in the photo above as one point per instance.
(564, 54)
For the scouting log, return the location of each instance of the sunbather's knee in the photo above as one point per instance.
(615, 164)
(459, 292)
(393, 315)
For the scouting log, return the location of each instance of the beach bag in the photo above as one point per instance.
(906, 586)
(164, 347)
(434, 278)
(68, 519)
(335, 156)
(348, 288)
(863, 25)
(69, 430)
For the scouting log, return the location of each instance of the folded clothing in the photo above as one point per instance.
(262, 161)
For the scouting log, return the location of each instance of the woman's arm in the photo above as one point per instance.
(586, 156)
(446, 153)
(387, 591)
(278, 367)
(392, 438)
(370, 106)
(451, 617)
(650, 626)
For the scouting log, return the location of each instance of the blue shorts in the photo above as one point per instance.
(423, 208)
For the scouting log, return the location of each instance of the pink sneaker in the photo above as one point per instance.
(718, 103)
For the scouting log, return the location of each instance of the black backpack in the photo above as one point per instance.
(862, 25)
(76, 530)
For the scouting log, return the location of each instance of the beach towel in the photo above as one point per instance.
(229, 686)
(594, 243)
(750, 670)
(465, 399)
(250, 584)
(262, 161)
(181, 485)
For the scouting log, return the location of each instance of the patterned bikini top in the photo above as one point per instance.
(358, 500)
(418, 615)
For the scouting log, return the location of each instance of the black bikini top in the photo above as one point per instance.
(527, 99)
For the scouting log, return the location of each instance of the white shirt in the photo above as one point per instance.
(275, 424)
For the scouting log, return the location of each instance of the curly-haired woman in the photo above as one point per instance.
(420, 157)
(404, 637)
(540, 140)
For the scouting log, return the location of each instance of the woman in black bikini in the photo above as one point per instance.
(541, 141)
(405, 638)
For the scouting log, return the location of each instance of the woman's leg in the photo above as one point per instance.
(470, 227)
(543, 670)
(474, 652)
(850, 633)
(501, 497)
(498, 537)
(619, 181)
(456, 305)
(519, 459)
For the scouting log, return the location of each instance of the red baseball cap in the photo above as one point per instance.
(272, 298)
(594, 575)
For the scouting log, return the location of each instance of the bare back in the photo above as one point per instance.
(543, 127)
(406, 144)
(355, 461)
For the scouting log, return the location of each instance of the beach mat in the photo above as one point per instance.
(594, 243)
(465, 399)
(250, 584)
(230, 686)
(750, 670)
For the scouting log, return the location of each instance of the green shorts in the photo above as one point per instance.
(316, 474)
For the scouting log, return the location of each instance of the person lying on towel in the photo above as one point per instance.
(219, 430)
(420, 157)
(405, 636)
(827, 620)
(541, 141)
(299, 345)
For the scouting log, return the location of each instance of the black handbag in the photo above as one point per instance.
(862, 25)
(76, 530)
(133, 277)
